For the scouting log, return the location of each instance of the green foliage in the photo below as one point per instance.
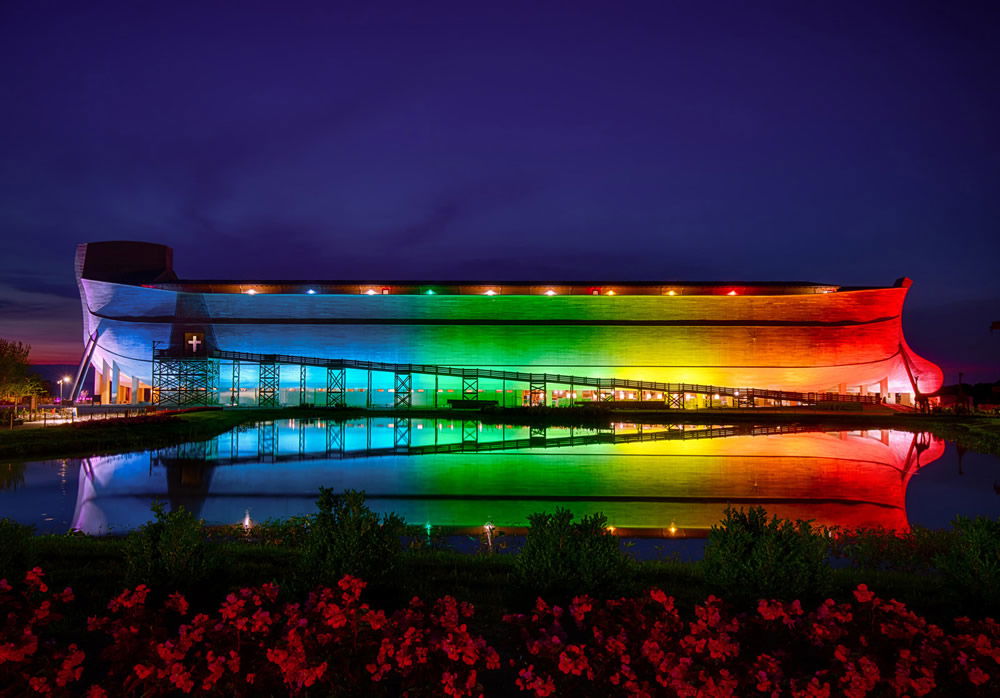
(16, 380)
(913, 551)
(290, 532)
(563, 557)
(346, 537)
(169, 553)
(971, 566)
(15, 549)
(749, 557)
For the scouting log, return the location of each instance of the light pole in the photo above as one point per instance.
(61, 381)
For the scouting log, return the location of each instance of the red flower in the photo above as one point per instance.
(814, 689)
(767, 673)
(129, 599)
(573, 661)
(40, 684)
(579, 608)
(770, 610)
(33, 579)
(352, 587)
(540, 685)
(492, 658)
(177, 602)
(862, 594)
(375, 619)
(261, 621)
(71, 668)
(978, 676)
(181, 678)
(41, 612)
(232, 607)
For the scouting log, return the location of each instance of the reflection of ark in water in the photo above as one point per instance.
(461, 475)
(792, 336)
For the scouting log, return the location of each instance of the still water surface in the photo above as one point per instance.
(462, 474)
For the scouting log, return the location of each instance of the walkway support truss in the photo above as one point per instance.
(401, 434)
(403, 385)
(302, 385)
(470, 432)
(335, 436)
(234, 389)
(269, 385)
(267, 440)
(538, 391)
(185, 382)
(336, 387)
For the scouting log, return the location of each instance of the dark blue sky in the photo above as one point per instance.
(847, 143)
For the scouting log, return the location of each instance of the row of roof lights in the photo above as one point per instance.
(488, 292)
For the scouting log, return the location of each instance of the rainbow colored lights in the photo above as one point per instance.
(674, 486)
(798, 337)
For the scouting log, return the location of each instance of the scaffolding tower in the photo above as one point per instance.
(185, 382)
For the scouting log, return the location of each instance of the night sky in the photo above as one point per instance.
(837, 142)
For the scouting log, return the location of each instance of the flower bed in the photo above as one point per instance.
(331, 642)
(642, 647)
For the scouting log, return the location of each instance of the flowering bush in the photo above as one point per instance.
(252, 645)
(641, 647)
(332, 643)
(27, 656)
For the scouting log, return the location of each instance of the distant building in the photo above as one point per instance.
(982, 397)
(952, 397)
(793, 336)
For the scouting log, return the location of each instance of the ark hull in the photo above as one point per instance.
(794, 337)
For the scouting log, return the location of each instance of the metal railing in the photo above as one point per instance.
(743, 395)
(171, 454)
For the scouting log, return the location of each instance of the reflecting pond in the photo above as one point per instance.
(659, 480)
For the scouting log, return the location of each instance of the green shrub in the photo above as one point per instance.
(912, 552)
(168, 553)
(290, 532)
(346, 537)
(15, 549)
(561, 557)
(971, 566)
(749, 557)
